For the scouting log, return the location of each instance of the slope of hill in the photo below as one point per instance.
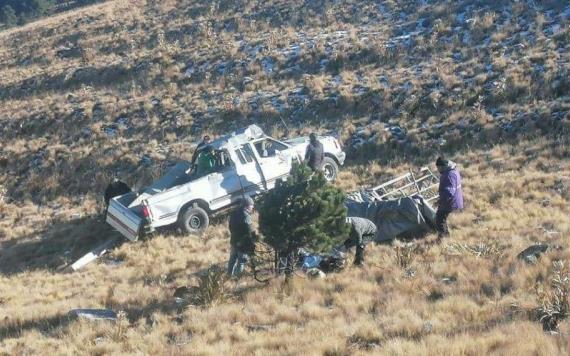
(126, 87)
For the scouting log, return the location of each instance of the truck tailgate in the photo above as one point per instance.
(124, 220)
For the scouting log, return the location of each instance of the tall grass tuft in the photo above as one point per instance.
(554, 302)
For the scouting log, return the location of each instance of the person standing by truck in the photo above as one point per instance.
(242, 237)
(206, 140)
(206, 161)
(315, 153)
(450, 195)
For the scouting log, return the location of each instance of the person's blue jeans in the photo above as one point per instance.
(237, 262)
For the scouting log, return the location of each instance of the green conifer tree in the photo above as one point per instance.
(303, 211)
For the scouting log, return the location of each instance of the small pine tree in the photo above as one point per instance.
(8, 16)
(303, 211)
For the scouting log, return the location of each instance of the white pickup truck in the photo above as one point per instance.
(248, 163)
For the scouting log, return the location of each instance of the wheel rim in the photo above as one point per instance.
(195, 222)
(328, 172)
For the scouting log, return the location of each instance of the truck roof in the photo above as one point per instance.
(238, 138)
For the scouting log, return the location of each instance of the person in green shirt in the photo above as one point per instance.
(206, 161)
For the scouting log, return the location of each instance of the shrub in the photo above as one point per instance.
(212, 286)
(404, 255)
(554, 303)
(303, 211)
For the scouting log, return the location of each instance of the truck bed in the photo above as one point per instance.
(126, 221)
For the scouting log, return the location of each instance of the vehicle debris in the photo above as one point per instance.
(94, 254)
(94, 314)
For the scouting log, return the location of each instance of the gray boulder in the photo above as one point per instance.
(531, 254)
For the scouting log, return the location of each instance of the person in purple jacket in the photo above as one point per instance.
(450, 194)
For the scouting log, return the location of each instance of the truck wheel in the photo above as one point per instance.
(194, 220)
(330, 169)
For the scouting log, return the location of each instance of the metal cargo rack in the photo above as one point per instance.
(424, 183)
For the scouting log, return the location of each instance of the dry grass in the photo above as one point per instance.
(156, 75)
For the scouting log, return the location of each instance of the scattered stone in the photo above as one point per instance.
(316, 273)
(409, 273)
(69, 52)
(111, 130)
(427, 327)
(397, 132)
(435, 295)
(123, 121)
(112, 261)
(181, 292)
(163, 149)
(449, 280)
(189, 71)
(81, 75)
(94, 314)
(267, 63)
(38, 159)
(258, 327)
(183, 338)
(531, 254)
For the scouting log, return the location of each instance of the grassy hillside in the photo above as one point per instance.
(127, 87)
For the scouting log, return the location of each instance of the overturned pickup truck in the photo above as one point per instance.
(248, 162)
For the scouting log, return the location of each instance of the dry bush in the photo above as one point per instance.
(554, 302)
(486, 250)
(404, 254)
(121, 326)
(212, 288)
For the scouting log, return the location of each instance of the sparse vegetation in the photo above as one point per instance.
(555, 300)
(125, 87)
(404, 255)
(212, 286)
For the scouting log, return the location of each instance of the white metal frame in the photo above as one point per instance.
(424, 183)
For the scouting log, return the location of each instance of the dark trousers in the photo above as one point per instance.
(441, 222)
(359, 243)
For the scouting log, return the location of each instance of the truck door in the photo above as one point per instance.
(274, 159)
(224, 183)
(249, 170)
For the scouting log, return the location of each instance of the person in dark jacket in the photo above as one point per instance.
(114, 189)
(450, 194)
(315, 154)
(242, 237)
(362, 231)
(206, 161)
(206, 140)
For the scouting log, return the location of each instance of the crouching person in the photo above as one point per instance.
(362, 231)
(242, 237)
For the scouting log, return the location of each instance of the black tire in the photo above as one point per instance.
(194, 221)
(330, 169)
